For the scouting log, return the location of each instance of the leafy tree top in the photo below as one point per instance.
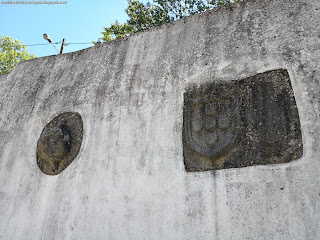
(145, 16)
(11, 53)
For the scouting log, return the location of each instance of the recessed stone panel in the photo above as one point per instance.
(59, 143)
(253, 121)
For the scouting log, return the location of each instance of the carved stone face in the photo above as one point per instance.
(56, 142)
(251, 121)
(59, 143)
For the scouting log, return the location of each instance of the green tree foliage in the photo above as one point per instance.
(117, 30)
(11, 53)
(145, 16)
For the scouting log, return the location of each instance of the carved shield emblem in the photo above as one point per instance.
(211, 123)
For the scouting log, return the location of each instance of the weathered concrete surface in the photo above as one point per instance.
(128, 180)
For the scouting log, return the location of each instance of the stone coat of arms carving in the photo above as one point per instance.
(241, 123)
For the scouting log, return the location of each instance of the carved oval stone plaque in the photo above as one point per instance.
(59, 143)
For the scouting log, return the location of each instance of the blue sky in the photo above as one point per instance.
(78, 21)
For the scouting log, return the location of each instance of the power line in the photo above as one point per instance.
(41, 44)
(37, 44)
(78, 43)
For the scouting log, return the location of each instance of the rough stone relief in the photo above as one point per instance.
(253, 121)
(59, 143)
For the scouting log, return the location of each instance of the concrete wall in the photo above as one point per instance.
(128, 180)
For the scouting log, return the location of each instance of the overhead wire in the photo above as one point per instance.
(37, 44)
(40, 44)
(78, 43)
